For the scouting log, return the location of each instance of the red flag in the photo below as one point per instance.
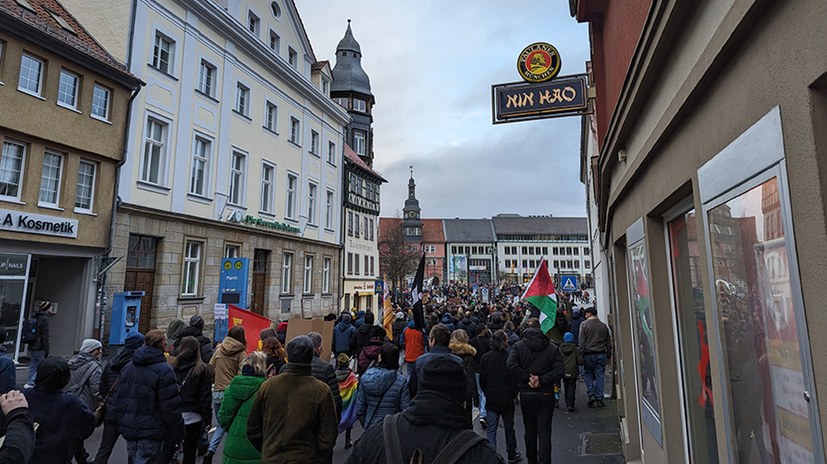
(253, 325)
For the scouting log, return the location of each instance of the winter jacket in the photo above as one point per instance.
(415, 343)
(576, 320)
(381, 392)
(20, 437)
(197, 332)
(536, 355)
(82, 365)
(42, 342)
(399, 326)
(497, 382)
(468, 326)
(369, 355)
(448, 321)
(483, 345)
(8, 372)
(65, 422)
(325, 372)
(428, 424)
(467, 352)
(293, 418)
(571, 359)
(343, 339)
(595, 337)
(146, 399)
(109, 375)
(413, 378)
(195, 389)
(364, 335)
(235, 411)
(560, 327)
(225, 362)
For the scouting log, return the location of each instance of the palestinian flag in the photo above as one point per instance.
(540, 293)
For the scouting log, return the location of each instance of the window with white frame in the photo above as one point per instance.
(206, 78)
(292, 57)
(253, 23)
(350, 223)
(365, 229)
(325, 87)
(311, 202)
(11, 168)
(287, 273)
(200, 175)
(359, 105)
(356, 263)
(232, 250)
(50, 179)
(237, 181)
(331, 153)
(308, 274)
(31, 75)
(367, 265)
(371, 230)
(326, 275)
(192, 268)
(163, 53)
(290, 210)
(328, 211)
(242, 99)
(350, 264)
(155, 154)
(85, 191)
(268, 176)
(275, 42)
(100, 102)
(356, 224)
(372, 269)
(271, 114)
(359, 142)
(314, 142)
(295, 131)
(67, 89)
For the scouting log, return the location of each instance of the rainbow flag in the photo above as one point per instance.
(347, 389)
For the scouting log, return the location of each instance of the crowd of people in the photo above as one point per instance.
(414, 390)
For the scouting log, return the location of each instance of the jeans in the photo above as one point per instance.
(508, 425)
(483, 412)
(594, 369)
(219, 431)
(144, 451)
(192, 436)
(571, 388)
(108, 439)
(538, 410)
(36, 358)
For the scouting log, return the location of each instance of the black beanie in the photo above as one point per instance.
(444, 375)
(53, 373)
(197, 321)
(300, 350)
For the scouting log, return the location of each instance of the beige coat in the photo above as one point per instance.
(225, 362)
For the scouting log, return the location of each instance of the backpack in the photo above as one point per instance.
(29, 334)
(453, 451)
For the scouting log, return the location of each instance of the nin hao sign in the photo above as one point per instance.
(521, 101)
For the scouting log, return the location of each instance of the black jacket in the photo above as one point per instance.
(197, 332)
(19, 444)
(497, 382)
(42, 342)
(195, 388)
(109, 375)
(146, 399)
(535, 354)
(483, 345)
(65, 422)
(363, 335)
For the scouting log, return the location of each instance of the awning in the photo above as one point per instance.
(365, 293)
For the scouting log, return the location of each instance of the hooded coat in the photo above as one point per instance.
(87, 369)
(467, 353)
(572, 358)
(235, 410)
(225, 362)
(536, 355)
(363, 336)
(343, 340)
(381, 392)
(203, 341)
(468, 326)
(448, 321)
(42, 342)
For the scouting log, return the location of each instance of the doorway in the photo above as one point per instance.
(260, 258)
(140, 274)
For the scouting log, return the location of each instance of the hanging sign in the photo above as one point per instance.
(539, 62)
(520, 101)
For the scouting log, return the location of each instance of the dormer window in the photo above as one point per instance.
(359, 105)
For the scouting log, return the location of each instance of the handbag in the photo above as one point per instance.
(100, 411)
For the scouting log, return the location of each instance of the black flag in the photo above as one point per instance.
(416, 295)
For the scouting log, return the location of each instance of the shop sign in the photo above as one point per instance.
(520, 101)
(30, 223)
(363, 286)
(241, 218)
(13, 265)
(539, 62)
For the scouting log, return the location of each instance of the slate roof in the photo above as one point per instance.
(468, 231)
(506, 224)
(352, 157)
(348, 75)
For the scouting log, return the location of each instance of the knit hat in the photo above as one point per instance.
(89, 345)
(444, 375)
(300, 350)
(197, 321)
(134, 340)
(53, 373)
(342, 359)
(568, 337)
(400, 315)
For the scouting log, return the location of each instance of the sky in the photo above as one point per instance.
(431, 65)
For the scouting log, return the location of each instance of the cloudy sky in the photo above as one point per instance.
(431, 64)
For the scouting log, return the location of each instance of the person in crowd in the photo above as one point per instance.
(596, 347)
(195, 329)
(365, 333)
(448, 321)
(281, 333)
(481, 343)
(348, 384)
(399, 326)
(39, 344)
(174, 330)
(468, 325)
(322, 370)
(65, 421)
(108, 380)
(293, 418)
(434, 419)
(84, 382)
(225, 365)
(459, 346)
(576, 319)
(147, 403)
(511, 333)
(572, 360)
(382, 389)
(274, 352)
(415, 343)
(369, 354)
(438, 341)
(8, 371)
(500, 389)
(343, 337)
(19, 441)
(536, 365)
(195, 384)
(359, 320)
(235, 409)
(265, 334)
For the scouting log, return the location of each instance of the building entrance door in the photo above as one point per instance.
(140, 274)
(257, 303)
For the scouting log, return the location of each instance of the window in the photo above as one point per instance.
(356, 225)
(311, 203)
(242, 99)
(292, 57)
(367, 264)
(50, 179)
(192, 268)
(365, 228)
(328, 212)
(291, 196)
(199, 178)
(237, 179)
(11, 165)
(267, 178)
(331, 153)
(356, 263)
(350, 223)
(287, 273)
(359, 142)
(206, 79)
(325, 87)
(585, 251)
(271, 116)
(163, 53)
(154, 159)
(31, 75)
(253, 23)
(275, 42)
(350, 264)
(587, 264)
(295, 131)
(359, 105)
(100, 102)
(85, 191)
(371, 230)
(372, 269)
(67, 90)
(141, 253)
(308, 274)
(232, 251)
(274, 7)
(545, 251)
(314, 142)
(326, 275)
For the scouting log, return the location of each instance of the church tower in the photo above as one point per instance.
(351, 90)
(411, 220)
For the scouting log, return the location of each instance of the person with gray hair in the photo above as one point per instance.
(293, 418)
(322, 370)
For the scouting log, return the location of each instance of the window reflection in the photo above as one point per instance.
(644, 325)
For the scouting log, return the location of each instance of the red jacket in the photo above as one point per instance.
(414, 344)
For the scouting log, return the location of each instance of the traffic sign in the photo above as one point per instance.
(568, 283)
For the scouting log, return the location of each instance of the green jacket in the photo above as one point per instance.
(571, 359)
(235, 409)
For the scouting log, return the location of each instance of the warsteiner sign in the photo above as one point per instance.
(539, 62)
(520, 101)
